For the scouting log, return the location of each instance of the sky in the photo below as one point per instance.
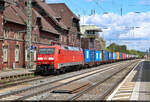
(131, 27)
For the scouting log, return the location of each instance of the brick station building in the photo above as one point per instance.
(71, 21)
(49, 27)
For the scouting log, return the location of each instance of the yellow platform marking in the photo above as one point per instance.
(125, 88)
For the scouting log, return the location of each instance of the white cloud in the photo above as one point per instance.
(144, 2)
(132, 27)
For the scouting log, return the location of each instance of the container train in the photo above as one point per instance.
(59, 58)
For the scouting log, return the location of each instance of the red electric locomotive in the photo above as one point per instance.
(58, 58)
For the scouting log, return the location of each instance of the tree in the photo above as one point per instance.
(123, 48)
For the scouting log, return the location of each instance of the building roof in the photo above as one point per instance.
(84, 28)
(13, 14)
(44, 24)
(17, 15)
(50, 13)
(64, 12)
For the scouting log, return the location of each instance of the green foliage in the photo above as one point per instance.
(123, 48)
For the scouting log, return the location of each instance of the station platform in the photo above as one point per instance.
(16, 72)
(136, 86)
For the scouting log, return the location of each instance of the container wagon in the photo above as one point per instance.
(111, 57)
(97, 58)
(118, 56)
(89, 57)
(105, 56)
(114, 56)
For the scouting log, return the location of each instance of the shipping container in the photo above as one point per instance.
(101, 55)
(126, 56)
(114, 56)
(118, 55)
(110, 55)
(123, 56)
(105, 55)
(92, 55)
(97, 56)
(86, 53)
(129, 56)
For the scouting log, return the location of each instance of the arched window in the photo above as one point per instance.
(35, 54)
(17, 53)
(26, 53)
(5, 53)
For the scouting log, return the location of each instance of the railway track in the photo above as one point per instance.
(44, 87)
(10, 82)
(109, 90)
(16, 80)
(125, 89)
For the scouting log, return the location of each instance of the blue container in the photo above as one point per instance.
(120, 55)
(92, 56)
(97, 56)
(105, 55)
(101, 55)
(86, 55)
(110, 55)
(126, 56)
(114, 56)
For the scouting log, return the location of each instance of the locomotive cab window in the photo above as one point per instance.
(46, 50)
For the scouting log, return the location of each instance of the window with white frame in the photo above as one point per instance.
(70, 39)
(61, 38)
(26, 55)
(65, 39)
(6, 33)
(17, 53)
(5, 53)
(25, 37)
(16, 35)
(35, 55)
(34, 37)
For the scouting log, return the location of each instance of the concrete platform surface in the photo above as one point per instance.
(144, 90)
(17, 71)
(136, 86)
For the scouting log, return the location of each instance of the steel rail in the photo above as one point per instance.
(25, 80)
(47, 89)
(109, 90)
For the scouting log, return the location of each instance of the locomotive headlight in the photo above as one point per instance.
(40, 58)
(50, 58)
